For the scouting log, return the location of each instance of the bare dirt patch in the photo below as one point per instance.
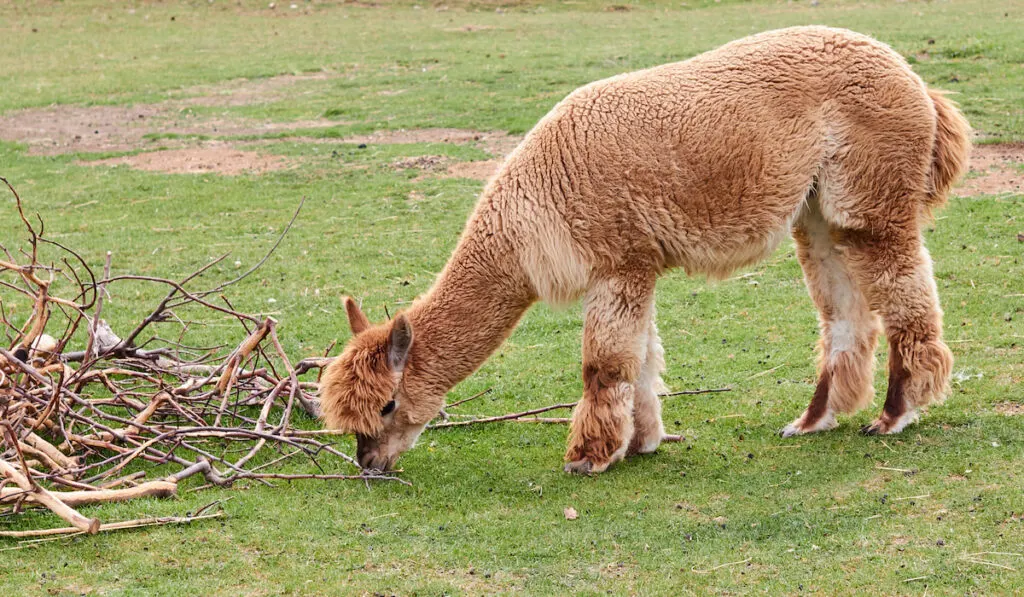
(428, 163)
(65, 129)
(442, 166)
(495, 143)
(95, 129)
(482, 170)
(994, 169)
(223, 160)
(1010, 409)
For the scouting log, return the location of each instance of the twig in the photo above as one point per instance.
(44, 497)
(114, 526)
(987, 563)
(473, 397)
(694, 392)
(765, 372)
(896, 470)
(507, 417)
(709, 570)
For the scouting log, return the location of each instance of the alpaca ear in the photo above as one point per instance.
(356, 320)
(401, 342)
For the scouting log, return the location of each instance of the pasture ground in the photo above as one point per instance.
(171, 132)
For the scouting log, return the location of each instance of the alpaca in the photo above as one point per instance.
(704, 164)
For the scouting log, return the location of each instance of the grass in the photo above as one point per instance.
(734, 509)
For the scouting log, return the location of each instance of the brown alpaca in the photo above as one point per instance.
(706, 165)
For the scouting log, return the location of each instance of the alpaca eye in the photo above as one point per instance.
(390, 406)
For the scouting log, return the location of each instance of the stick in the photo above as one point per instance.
(473, 397)
(114, 526)
(312, 476)
(44, 497)
(692, 392)
(719, 566)
(101, 496)
(507, 417)
(241, 354)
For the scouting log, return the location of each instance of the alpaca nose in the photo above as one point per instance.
(368, 454)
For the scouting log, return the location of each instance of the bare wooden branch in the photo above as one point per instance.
(100, 496)
(44, 497)
(83, 414)
(507, 417)
(114, 526)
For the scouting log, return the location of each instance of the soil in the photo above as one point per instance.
(223, 160)
(1010, 408)
(96, 129)
(494, 142)
(995, 169)
(430, 163)
(476, 170)
(93, 129)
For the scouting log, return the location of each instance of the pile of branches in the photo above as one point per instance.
(75, 423)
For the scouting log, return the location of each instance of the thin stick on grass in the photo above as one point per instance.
(987, 563)
(507, 417)
(114, 526)
(695, 392)
(709, 570)
(465, 400)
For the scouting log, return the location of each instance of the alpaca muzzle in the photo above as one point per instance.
(369, 454)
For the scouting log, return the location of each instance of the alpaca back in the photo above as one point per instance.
(703, 164)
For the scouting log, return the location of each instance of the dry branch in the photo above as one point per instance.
(100, 496)
(114, 526)
(508, 417)
(529, 416)
(80, 405)
(51, 501)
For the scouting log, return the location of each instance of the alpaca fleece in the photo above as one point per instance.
(705, 165)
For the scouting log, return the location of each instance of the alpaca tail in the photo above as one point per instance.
(951, 150)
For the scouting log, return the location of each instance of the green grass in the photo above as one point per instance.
(822, 514)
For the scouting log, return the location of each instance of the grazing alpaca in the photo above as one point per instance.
(706, 165)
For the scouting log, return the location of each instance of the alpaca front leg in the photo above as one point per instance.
(602, 426)
(614, 348)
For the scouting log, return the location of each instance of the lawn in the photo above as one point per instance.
(732, 509)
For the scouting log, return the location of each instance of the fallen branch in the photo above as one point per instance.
(79, 408)
(44, 497)
(114, 526)
(74, 499)
(507, 417)
(695, 392)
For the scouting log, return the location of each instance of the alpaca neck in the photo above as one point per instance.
(472, 308)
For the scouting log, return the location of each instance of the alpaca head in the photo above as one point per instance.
(363, 391)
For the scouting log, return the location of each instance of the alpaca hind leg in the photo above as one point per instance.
(617, 312)
(896, 273)
(647, 426)
(849, 329)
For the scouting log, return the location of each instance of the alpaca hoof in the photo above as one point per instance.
(801, 427)
(873, 429)
(584, 467)
(886, 425)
